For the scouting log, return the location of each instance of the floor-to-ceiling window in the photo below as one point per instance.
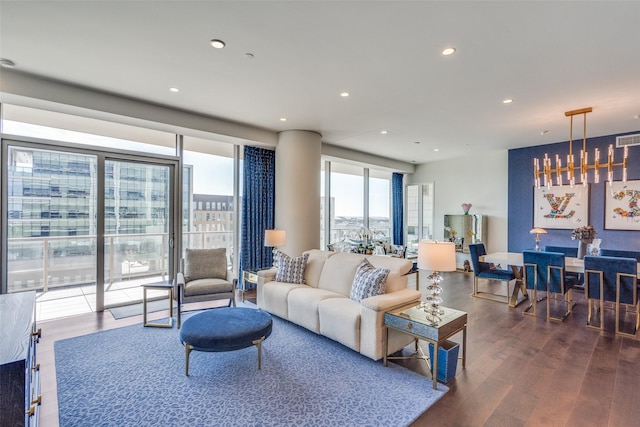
(380, 204)
(75, 189)
(209, 209)
(347, 199)
(419, 215)
(356, 208)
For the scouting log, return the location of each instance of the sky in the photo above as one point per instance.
(214, 174)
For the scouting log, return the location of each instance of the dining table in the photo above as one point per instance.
(515, 261)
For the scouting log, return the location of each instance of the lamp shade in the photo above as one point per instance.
(538, 230)
(275, 238)
(437, 256)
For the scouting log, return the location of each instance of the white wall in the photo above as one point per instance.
(479, 180)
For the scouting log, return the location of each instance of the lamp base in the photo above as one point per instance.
(431, 306)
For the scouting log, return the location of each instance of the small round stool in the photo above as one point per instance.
(225, 329)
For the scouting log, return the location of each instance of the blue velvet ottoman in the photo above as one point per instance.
(225, 329)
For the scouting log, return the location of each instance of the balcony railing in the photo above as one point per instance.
(41, 263)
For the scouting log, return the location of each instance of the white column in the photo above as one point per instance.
(298, 189)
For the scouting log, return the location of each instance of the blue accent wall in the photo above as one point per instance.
(521, 185)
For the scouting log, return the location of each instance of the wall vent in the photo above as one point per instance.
(622, 141)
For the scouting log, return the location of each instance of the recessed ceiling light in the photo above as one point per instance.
(174, 89)
(7, 63)
(416, 142)
(449, 51)
(283, 119)
(248, 55)
(544, 132)
(507, 101)
(345, 94)
(384, 132)
(218, 44)
(436, 149)
(637, 116)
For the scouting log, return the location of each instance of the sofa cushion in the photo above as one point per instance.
(340, 321)
(205, 264)
(303, 306)
(275, 296)
(315, 263)
(368, 281)
(338, 272)
(291, 270)
(398, 268)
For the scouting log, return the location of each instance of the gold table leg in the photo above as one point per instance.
(258, 344)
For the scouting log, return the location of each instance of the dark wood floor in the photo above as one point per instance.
(520, 370)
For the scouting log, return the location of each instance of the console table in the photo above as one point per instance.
(411, 320)
(20, 396)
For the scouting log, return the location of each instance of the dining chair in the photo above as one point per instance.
(568, 251)
(611, 279)
(545, 271)
(485, 270)
(621, 253)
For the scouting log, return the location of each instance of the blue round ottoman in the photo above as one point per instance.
(225, 329)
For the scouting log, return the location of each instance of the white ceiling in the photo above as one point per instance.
(549, 57)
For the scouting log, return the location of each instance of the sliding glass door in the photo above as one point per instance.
(89, 225)
(137, 225)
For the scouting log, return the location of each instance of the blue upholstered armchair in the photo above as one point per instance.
(544, 271)
(611, 279)
(484, 270)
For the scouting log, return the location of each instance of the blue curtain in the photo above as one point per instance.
(258, 208)
(398, 208)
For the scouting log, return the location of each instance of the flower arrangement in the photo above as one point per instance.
(586, 232)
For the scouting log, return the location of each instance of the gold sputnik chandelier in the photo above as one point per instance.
(547, 172)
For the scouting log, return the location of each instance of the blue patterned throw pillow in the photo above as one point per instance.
(369, 281)
(291, 270)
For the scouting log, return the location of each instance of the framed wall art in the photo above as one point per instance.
(621, 210)
(561, 206)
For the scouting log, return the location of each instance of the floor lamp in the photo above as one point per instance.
(438, 257)
(275, 239)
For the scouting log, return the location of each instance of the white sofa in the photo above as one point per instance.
(323, 306)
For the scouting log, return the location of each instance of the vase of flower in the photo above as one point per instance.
(584, 236)
(466, 207)
(582, 247)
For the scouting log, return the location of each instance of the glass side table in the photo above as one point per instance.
(248, 276)
(162, 286)
(412, 320)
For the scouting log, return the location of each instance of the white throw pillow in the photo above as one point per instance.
(368, 281)
(291, 270)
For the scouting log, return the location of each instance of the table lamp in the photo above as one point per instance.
(275, 239)
(537, 231)
(438, 257)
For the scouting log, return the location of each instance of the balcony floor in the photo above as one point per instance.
(57, 303)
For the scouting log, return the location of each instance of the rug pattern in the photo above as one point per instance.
(134, 376)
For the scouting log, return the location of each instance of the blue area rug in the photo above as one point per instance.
(134, 376)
